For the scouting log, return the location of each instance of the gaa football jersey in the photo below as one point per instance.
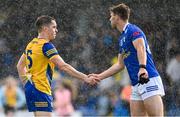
(127, 50)
(38, 54)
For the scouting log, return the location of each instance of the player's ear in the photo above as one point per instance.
(118, 17)
(44, 28)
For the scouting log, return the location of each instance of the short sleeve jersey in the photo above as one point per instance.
(38, 54)
(126, 48)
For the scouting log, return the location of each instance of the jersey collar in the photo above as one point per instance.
(125, 26)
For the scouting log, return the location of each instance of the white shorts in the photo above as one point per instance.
(153, 87)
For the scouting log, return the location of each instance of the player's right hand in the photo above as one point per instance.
(92, 79)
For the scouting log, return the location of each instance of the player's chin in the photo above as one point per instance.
(113, 26)
(54, 36)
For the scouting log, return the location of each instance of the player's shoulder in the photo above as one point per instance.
(48, 45)
(34, 40)
(37, 42)
(132, 28)
(49, 50)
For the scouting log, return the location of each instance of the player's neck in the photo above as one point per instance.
(121, 26)
(43, 36)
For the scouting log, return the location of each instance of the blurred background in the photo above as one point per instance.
(86, 41)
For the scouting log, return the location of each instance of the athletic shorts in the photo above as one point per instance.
(37, 100)
(153, 87)
(8, 109)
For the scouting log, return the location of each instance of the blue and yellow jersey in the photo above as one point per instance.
(38, 53)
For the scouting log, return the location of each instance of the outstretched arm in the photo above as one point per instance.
(112, 70)
(59, 62)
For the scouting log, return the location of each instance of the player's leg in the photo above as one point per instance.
(137, 108)
(151, 95)
(136, 104)
(154, 106)
(42, 114)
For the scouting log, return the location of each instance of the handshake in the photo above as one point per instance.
(92, 79)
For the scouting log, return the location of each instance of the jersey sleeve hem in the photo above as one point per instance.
(138, 38)
(55, 55)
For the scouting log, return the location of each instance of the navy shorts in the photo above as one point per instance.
(37, 100)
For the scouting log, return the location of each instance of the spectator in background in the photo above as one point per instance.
(11, 96)
(173, 68)
(63, 91)
(122, 105)
(173, 46)
(173, 71)
(103, 104)
(107, 38)
(6, 57)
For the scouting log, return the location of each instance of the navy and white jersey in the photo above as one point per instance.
(126, 48)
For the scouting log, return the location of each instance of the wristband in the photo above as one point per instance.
(142, 66)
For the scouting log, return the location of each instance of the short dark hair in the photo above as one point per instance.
(42, 21)
(121, 10)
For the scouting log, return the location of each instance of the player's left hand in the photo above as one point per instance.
(144, 72)
(143, 76)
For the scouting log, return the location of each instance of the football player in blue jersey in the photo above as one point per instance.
(135, 55)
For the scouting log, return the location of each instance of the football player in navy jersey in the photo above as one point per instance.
(135, 55)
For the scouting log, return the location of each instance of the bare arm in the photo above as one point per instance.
(59, 62)
(139, 45)
(113, 69)
(141, 50)
(21, 67)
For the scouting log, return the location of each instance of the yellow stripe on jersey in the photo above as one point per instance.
(38, 63)
(51, 51)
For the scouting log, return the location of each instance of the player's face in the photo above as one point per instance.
(52, 30)
(113, 19)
